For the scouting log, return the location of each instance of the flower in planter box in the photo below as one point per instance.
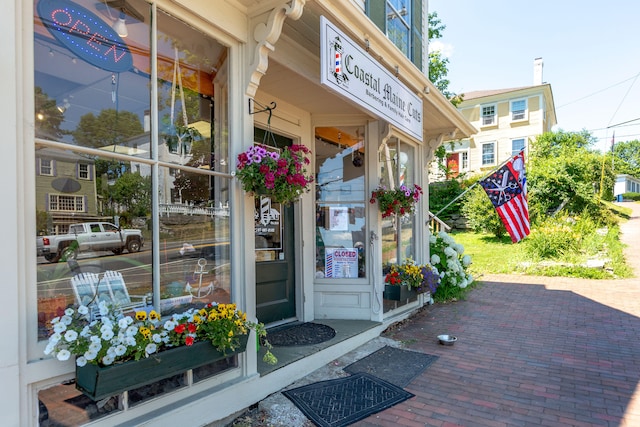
(280, 175)
(415, 276)
(400, 201)
(114, 338)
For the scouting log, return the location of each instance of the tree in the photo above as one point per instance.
(627, 158)
(438, 64)
(481, 214)
(133, 193)
(48, 116)
(563, 173)
(110, 127)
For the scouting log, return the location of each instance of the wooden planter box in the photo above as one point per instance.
(398, 293)
(98, 382)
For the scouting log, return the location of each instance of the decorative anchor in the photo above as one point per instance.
(200, 271)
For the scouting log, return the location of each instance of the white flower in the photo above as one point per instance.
(459, 248)
(85, 332)
(122, 323)
(435, 259)
(450, 252)
(432, 239)
(107, 335)
(150, 348)
(81, 361)
(59, 328)
(90, 355)
(66, 320)
(107, 360)
(130, 341)
(466, 260)
(83, 309)
(55, 337)
(95, 339)
(463, 284)
(169, 325)
(132, 330)
(63, 355)
(156, 338)
(49, 348)
(69, 312)
(120, 350)
(70, 335)
(104, 310)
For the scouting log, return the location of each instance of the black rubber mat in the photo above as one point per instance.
(394, 365)
(343, 401)
(300, 334)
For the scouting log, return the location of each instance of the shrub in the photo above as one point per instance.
(481, 214)
(448, 258)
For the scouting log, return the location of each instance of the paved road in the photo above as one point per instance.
(531, 351)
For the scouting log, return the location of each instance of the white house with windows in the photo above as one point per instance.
(507, 121)
(626, 184)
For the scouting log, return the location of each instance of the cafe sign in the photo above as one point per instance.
(85, 34)
(351, 72)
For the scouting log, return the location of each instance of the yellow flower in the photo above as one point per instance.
(230, 333)
(154, 315)
(197, 319)
(141, 315)
(145, 332)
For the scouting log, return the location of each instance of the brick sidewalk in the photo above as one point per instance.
(531, 351)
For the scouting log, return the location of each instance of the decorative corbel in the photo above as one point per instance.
(432, 146)
(266, 34)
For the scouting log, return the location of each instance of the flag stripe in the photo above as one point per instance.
(506, 188)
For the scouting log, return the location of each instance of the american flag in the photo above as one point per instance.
(506, 192)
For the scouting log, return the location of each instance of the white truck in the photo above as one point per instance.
(89, 236)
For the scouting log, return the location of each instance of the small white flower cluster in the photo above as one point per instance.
(447, 256)
(105, 340)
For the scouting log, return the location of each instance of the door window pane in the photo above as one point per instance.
(340, 203)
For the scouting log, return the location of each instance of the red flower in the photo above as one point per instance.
(188, 340)
(192, 328)
(179, 329)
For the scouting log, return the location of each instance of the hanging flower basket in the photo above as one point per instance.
(400, 201)
(98, 382)
(280, 175)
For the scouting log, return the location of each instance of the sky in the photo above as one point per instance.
(590, 50)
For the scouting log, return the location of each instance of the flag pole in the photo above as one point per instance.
(476, 183)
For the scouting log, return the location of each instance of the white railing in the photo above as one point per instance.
(436, 224)
(181, 209)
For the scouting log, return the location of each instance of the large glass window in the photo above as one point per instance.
(117, 191)
(340, 203)
(488, 154)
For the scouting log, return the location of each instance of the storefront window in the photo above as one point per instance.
(340, 203)
(397, 169)
(119, 193)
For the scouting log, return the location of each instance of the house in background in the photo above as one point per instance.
(625, 184)
(507, 120)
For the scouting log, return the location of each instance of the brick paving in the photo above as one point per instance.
(531, 351)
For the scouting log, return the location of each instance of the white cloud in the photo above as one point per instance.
(444, 48)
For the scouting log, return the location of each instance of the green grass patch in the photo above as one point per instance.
(490, 254)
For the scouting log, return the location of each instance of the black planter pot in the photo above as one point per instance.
(399, 293)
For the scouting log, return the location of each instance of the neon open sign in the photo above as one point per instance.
(85, 34)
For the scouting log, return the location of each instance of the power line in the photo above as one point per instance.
(599, 91)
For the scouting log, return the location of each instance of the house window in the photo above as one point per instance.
(46, 167)
(517, 145)
(402, 22)
(488, 115)
(62, 203)
(519, 109)
(488, 154)
(83, 171)
(464, 162)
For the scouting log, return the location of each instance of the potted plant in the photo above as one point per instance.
(279, 175)
(399, 201)
(117, 353)
(404, 281)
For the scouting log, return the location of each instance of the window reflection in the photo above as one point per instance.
(340, 203)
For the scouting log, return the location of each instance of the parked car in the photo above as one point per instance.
(89, 236)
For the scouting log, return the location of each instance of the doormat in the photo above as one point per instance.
(300, 334)
(343, 401)
(394, 365)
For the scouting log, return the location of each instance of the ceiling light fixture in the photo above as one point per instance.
(120, 26)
